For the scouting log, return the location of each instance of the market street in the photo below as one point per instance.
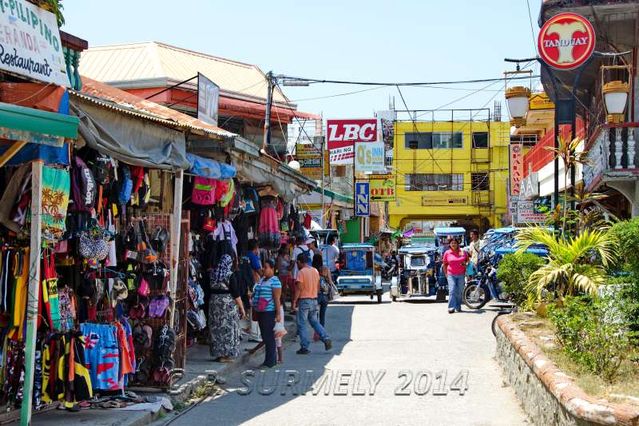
(378, 341)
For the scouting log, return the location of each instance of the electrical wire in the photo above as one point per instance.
(401, 84)
(532, 29)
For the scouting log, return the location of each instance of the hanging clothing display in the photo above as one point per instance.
(269, 224)
(56, 187)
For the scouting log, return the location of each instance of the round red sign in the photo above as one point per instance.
(566, 41)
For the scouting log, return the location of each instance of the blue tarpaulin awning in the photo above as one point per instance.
(209, 168)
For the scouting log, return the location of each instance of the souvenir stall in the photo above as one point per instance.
(35, 182)
(227, 210)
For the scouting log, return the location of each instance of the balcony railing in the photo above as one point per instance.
(614, 150)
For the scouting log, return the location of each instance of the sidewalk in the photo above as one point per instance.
(199, 368)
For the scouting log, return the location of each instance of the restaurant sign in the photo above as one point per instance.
(30, 43)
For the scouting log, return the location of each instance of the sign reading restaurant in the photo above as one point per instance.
(566, 41)
(30, 42)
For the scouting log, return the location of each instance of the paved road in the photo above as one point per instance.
(378, 342)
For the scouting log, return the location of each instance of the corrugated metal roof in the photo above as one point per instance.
(154, 64)
(114, 98)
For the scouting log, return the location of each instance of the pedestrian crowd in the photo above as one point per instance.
(248, 297)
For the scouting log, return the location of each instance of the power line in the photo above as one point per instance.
(401, 84)
(532, 30)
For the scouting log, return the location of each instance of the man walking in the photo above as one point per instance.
(305, 301)
(332, 257)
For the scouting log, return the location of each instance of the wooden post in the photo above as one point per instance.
(176, 231)
(34, 291)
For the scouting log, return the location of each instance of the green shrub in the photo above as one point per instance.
(594, 333)
(626, 234)
(513, 272)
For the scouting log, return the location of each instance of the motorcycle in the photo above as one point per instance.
(390, 268)
(483, 287)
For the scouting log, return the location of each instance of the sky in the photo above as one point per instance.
(353, 40)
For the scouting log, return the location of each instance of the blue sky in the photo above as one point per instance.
(373, 40)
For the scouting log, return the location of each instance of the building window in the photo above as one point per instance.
(418, 140)
(479, 181)
(444, 140)
(434, 182)
(433, 140)
(480, 139)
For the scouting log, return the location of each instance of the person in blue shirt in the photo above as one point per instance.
(266, 301)
(254, 258)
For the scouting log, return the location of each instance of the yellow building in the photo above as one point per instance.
(455, 171)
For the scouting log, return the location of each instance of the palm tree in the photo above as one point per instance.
(575, 264)
(567, 151)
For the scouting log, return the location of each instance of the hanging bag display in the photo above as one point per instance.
(203, 191)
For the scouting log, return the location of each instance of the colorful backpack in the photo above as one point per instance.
(203, 191)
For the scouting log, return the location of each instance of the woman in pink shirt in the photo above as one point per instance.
(454, 266)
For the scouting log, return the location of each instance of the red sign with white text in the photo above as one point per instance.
(566, 41)
(341, 136)
(516, 168)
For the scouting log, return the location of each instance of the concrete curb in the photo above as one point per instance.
(577, 405)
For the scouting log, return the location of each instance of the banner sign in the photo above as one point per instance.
(526, 213)
(382, 187)
(362, 199)
(341, 135)
(208, 100)
(370, 157)
(30, 43)
(516, 168)
(310, 160)
(566, 41)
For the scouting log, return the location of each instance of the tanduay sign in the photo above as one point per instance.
(566, 41)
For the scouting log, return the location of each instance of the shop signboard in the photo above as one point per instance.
(529, 187)
(429, 200)
(540, 101)
(30, 43)
(516, 168)
(526, 213)
(382, 187)
(208, 100)
(370, 157)
(341, 136)
(310, 159)
(566, 41)
(362, 199)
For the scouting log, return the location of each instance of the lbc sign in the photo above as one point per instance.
(362, 199)
(341, 135)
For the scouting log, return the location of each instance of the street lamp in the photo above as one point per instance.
(294, 164)
(518, 98)
(615, 97)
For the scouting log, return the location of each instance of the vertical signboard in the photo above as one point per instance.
(341, 136)
(362, 199)
(208, 100)
(30, 43)
(516, 168)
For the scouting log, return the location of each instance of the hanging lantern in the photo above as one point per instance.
(518, 99)
(615, 95)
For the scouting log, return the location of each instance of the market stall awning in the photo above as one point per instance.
(336, 196)
(129, 139)
(19, 123)
(207, 167)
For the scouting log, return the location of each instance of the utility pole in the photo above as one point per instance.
(270, 79)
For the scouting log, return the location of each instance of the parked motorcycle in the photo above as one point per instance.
(483, 287)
